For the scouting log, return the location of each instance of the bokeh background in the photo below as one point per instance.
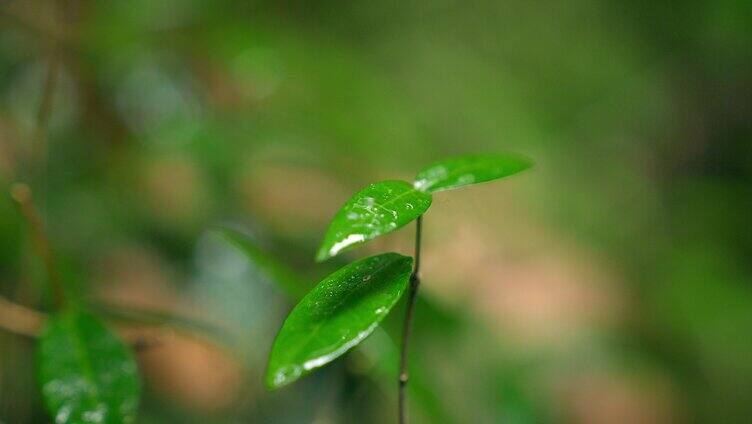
(610, 284)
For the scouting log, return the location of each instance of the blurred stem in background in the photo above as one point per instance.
(40, 150)
(140, 329)
(35, 166)
(22, 194)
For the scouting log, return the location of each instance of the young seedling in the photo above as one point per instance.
(345, 308)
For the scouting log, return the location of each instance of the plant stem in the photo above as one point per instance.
(404, 375)
(21, 193)
(20, 320)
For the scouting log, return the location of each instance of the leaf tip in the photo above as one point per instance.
(526, 163)
(269, 382)
(279, 377)
(322, 255)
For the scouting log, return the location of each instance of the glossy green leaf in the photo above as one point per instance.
(336, 315)
(86, 374)
(472, 169)
(378, 209)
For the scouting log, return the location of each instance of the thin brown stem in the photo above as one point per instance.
(404, 375)
(20, 320)
(21, 193)
(37, 162)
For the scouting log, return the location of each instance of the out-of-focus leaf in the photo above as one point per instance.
(472, 169)
(378, 209)
(87, 375)
(276, 272)
(336, 315)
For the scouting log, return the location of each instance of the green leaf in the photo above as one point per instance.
(86, 374)
(336, 315)
(472, 169)
(378, 209)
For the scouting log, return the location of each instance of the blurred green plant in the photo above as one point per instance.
(345, 308)
(85, 372)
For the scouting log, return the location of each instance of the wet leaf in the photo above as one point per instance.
(336, 315)
(86, 374)
(472, 169)
(378, 209)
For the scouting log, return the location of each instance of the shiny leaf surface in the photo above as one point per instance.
(87, 375)
(336, 315)
(472, 169)
(378, 209)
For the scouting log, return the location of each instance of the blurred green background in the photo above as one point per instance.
(610, 284)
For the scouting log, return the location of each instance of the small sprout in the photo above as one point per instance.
(333, 317)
